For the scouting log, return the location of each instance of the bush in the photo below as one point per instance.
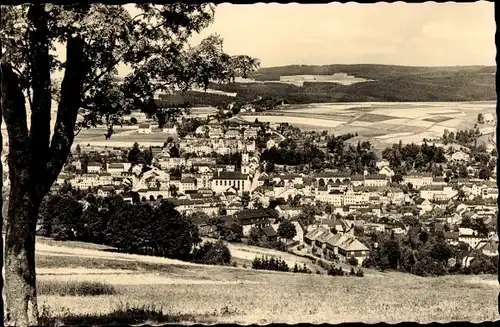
(360, 273)
(212, 254)
(353, 261)
(334, 271)
(74, 288)
(266, 263)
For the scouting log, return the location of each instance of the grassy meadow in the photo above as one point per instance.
(77, 286)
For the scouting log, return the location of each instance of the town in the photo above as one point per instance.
(335, 193)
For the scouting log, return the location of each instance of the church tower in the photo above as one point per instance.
(245, 161)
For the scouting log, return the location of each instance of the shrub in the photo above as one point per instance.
(212, 254)
(353, 261)
(360, 273)
(266, 263)
(75, 288)
(334, 271)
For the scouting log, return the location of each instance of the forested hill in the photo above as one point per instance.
(387, 83)
(372, 72)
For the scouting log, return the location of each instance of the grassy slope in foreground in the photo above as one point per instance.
(225, 294)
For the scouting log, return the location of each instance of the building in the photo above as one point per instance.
(94, 167)
(469, 236)
(222, 181)
(259, 218)
(437, 192)
(460, 156)
(144, 129)
(287, 211)
(418, 180)
(232, 134)
(376, 180)
(170, 128)
(115, 168)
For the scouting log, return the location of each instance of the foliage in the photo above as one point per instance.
(59, 217)
(413, 84)
(334, 271)
(353, 261)
(134, 228)
(212, 254)
(408, 157)
(286, 230)
(302, 270)
(269, 263)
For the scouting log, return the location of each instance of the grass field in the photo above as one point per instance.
(133, 289)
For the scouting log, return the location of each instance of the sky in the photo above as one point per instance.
(423, 34)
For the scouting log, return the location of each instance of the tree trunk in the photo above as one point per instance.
(20, 279)
(20, 276)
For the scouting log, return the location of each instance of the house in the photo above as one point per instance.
(460, 156)
(311, 236)
(488, 247)
(382, 163)
(287, 211)
(386, 171)
(202, 221)
(269, 234)
(348, 246)
(232, 134)
(115, 168)
(170, 128)
(215, 131)
(343, 246)
(188, 184)
(469, 236)
(144, 129)
(105, 191)
(250, 133)
(437, 192)
(376, 180)
(94, 167)
(259, 218)
(418, 180)
(169, 163)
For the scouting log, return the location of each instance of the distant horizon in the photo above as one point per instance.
(372, 64)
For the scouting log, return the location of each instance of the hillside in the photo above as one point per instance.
(387, 83)
(151, 290)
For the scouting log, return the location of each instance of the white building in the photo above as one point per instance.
(170, 129)
(94, 167)
(222, 181)
(418, 180)
(460, 156)
(144, 129)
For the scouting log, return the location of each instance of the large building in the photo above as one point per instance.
(222, 181)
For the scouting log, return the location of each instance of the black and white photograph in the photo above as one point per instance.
(214, 163)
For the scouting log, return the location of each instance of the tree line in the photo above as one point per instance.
(424, 253)
(132, 228)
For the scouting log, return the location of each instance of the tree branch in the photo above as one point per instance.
(71, 92)
(40, 84)
(117, 60)
(14, 113)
